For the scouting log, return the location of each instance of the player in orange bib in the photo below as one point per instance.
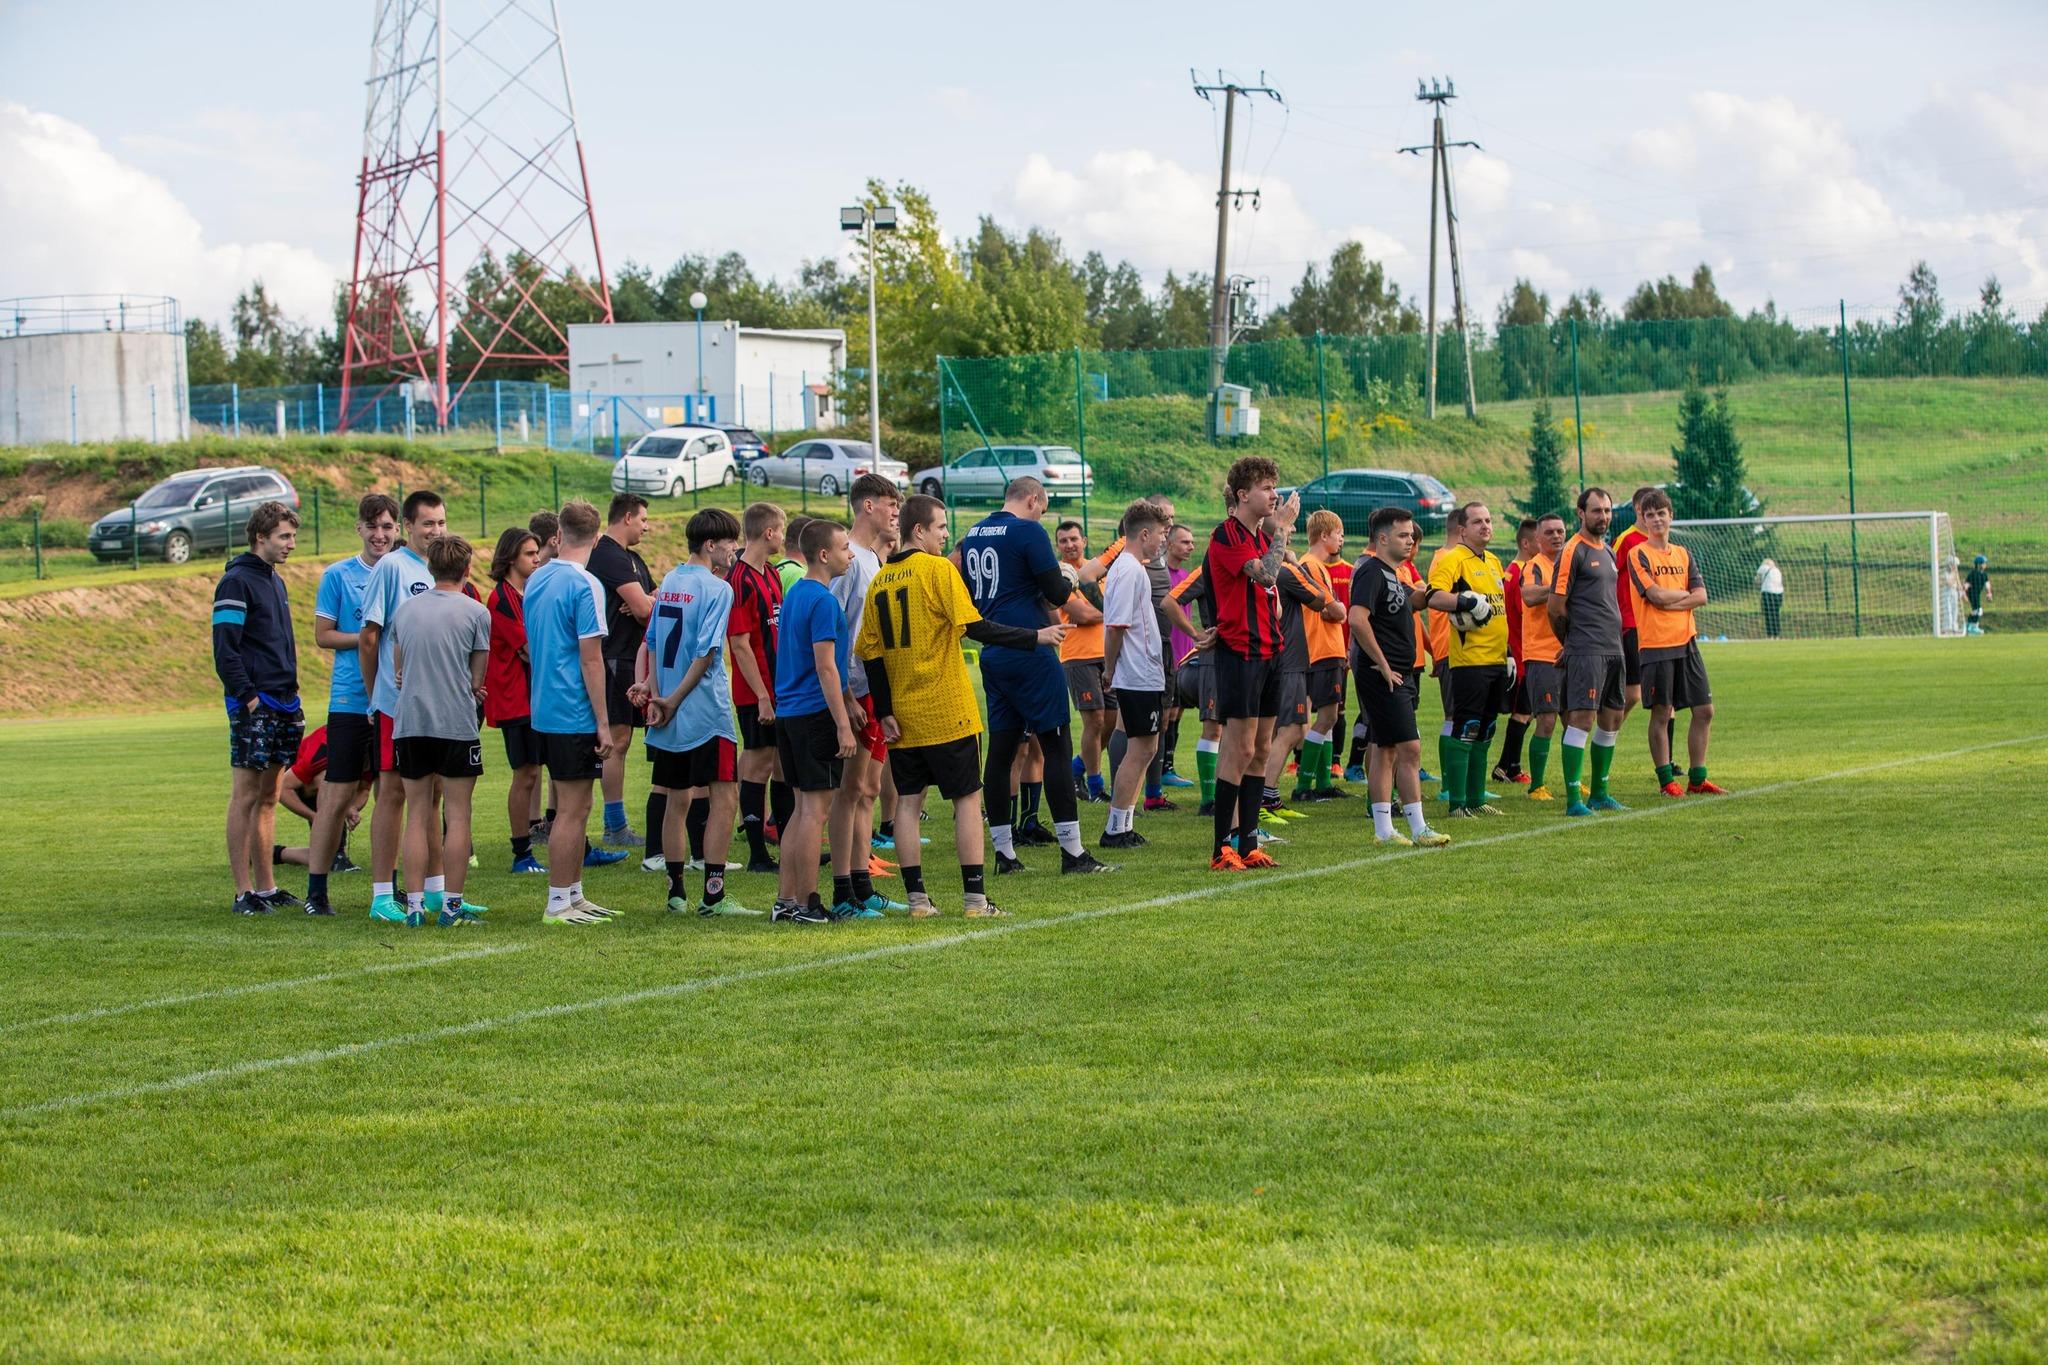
(1666, 588)
(1542, 681)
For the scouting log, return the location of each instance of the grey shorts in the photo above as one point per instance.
(1543, 688)
(1195, 682)
(1593, 682)
(1676, 678)
(1294, 697)
(1084, 684)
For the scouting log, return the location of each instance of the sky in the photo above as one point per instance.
(1808, 153)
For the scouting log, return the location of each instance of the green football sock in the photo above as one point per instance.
(1693, 775)
(1325, 779)
(1304, 768)
(1603, 764)
(1667, 773)
(1457, 770)
(1539, 760)
(1574, 765)
(1443, 762)
(1205, 769)
(1475, 775)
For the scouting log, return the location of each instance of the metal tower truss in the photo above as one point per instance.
(476, 245)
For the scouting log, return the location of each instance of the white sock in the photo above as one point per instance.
(383, 888)
(1383, 819)
(1208, 746)
(1068, 832)
(1005, 840)
(576, 890)
(416, 901)
(1120, 820)
(559, 897)
(1605, 738)
(1413, 810)
(436, 884)
(1313, 737)
(1574, 737)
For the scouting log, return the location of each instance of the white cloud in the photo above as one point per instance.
(1160, 215)
(77, 219)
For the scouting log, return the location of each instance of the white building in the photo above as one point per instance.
(768, 378)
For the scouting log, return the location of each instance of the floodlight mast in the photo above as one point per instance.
(473, 196)
(865, 220)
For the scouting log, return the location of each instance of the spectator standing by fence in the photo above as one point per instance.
(1770, 587)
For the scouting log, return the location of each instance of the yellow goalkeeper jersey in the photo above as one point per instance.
(917, 610)
(1460, 570)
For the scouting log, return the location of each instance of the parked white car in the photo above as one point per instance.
(825, 467)
(672, 461)
(985, 472)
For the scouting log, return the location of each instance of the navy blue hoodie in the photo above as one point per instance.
(253, 648)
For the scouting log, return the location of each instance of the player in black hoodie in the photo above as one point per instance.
(258, 664)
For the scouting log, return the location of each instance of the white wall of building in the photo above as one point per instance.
(767, 378)
(92, 386)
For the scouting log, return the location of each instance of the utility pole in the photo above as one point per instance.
(1226, 200)
(1440, 174)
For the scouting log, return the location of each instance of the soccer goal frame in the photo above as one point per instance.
(1931, 553)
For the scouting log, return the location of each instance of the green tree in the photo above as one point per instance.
(206, 354)
(1667, 300)
(1708, 475)
(1522, 339)
(1548, 492)
(1353, 297)
(1919, 317)
(270, 348)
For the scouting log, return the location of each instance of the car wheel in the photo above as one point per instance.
(725, 479)
(931, 488)
(828, 486)
(759, 476)
(177, 547)
(676, 489)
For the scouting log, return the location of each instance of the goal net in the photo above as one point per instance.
(1811, 577)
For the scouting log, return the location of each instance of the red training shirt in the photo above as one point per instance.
(1630, 538)
(1511, 585)
(506, 675)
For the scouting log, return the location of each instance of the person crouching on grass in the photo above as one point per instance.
(441, 646)
(258, 662)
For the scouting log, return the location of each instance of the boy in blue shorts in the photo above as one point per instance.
(813, 723)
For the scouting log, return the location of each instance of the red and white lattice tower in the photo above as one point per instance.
(471, 158)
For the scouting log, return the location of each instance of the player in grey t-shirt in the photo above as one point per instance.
(1586, 617)
(441, 644)
(874, 502)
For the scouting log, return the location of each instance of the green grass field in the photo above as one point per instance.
(1762, 1076)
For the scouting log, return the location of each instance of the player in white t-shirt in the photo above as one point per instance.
(1131, 664)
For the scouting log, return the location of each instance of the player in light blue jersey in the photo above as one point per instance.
(564, 641)
(691, 739)
(1015, 580)
(351, 733)
(398, 577)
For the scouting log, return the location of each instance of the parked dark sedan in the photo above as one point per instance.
(1355, 494)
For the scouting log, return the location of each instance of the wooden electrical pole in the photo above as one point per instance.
(1226, 200)
(1440, 175)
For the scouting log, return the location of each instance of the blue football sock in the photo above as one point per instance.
(614, 815)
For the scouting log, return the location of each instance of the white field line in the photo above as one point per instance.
(1220, 886)
(260, 987)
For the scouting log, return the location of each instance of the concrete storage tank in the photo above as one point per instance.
(91, 367)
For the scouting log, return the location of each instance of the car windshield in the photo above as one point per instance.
(171, 492)
(658, 446)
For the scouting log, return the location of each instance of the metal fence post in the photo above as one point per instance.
(134, 540)
(320, 408)
(316, 518)
(1578, 421)
(1323, 403)
(615, 426)
(1081, 436)
(235, 392)
(498, 413)
(35, 522)
(942, 451)
(1849, 442)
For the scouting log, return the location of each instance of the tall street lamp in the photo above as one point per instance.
(697, 301)
(867, 221)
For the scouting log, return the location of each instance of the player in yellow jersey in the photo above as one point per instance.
(1665, 587)
(917, 611)
(1466, 580)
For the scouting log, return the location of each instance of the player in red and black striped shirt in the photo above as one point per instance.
(750, 633)
(1243, 568)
